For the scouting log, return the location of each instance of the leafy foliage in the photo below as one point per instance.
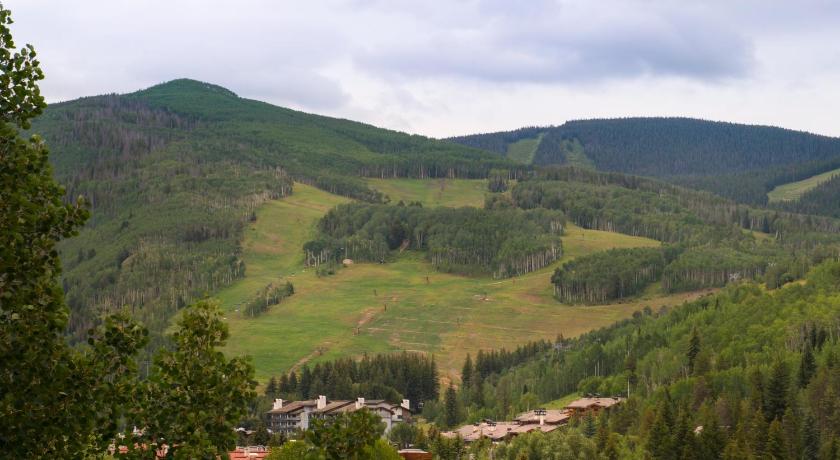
(194, 395)
(266, 297)
(466, 240)
(55, 401)
(608, 275)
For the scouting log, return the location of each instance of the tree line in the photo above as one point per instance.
(392, 377)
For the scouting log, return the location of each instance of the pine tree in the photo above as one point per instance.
(283, 385)
(450, 407)
(757, 390)
(758, 433)
(660, 439)
(589, 428)
(271, 388)
(467, 372)
(683, 434)
(611, 450)
(811, 439)
(791, 426)
(293, 382)
(776, 448)
(693, 349)
(305, 382)
(712, 440)
(603, 435)
(776, 400)
(807, 366)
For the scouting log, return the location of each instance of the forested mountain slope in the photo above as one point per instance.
(747, 373)
(738, 161)
(173, 172)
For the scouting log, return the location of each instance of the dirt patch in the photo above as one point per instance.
(367, 316)
(317, 352)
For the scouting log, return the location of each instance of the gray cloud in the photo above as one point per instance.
(448, 67)
(548, 42)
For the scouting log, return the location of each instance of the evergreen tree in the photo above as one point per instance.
(660, 439)
(589, 428)
(611, 450)
(293, 382)
(450, 407)
(776, 400)
(466, 373)
(757, 389)
(603, 435)
(271, 389)
(758, 433)
(811, 439)
(693, 349)
(807, 366)
(712, 440)
(683, 434)
(776, 448)
(305, 382)
(283, 385)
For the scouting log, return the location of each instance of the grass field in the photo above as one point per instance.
(576, 156)
(453, 193)
(522, 151)
(794, 190)
(404, 305)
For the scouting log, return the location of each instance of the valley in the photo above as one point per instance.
(404, 305)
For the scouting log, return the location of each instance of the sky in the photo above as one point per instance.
(444, 68)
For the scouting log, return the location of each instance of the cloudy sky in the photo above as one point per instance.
(445, 68)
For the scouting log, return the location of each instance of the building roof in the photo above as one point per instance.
(552, 417)
(292, 407)
(587, 403)
(333, 405)
(249, 453)
(495, 432)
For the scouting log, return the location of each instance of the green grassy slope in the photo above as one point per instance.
(794, 190)
(522, 151)
(438, 192)
(404, 305)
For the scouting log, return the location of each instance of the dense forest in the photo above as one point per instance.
(736, 161)
(464, 240)
(173, 174)
(608, 275)
(746, 373)
(392, 377)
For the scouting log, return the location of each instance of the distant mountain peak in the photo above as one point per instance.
(185, 86)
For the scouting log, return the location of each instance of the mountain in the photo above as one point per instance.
(175, 171)
(741, 162)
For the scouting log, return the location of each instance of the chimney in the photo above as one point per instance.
(360, 403)
(542, 419)
(278, 403)
(322, 402)
(406, 404)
